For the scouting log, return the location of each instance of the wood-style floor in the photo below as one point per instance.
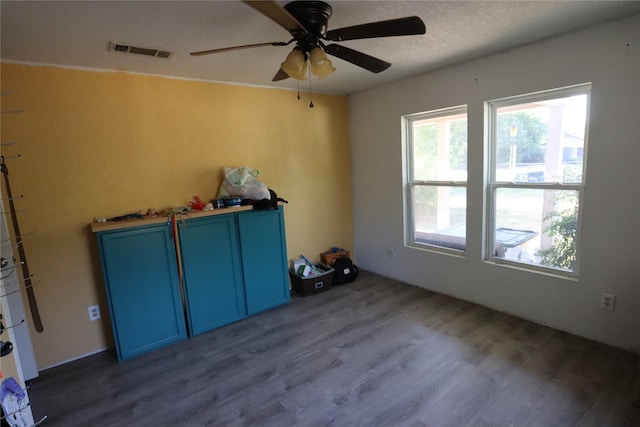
(375, 352)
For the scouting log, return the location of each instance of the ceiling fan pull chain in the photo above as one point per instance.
(310, 91)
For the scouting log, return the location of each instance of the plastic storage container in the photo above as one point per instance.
(312, 284)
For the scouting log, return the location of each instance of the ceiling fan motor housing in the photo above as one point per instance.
(313, 15)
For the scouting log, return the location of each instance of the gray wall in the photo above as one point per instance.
(608, 55)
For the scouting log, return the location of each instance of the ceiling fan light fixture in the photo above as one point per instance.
(321, 66)
(295, 65)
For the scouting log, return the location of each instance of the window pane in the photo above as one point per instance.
(537, 226)
(541, 141)
(440, 148)
(440, 215)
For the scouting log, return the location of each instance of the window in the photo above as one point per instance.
(537, 146)
(436, 178)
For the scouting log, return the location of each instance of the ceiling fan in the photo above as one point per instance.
(307, 22)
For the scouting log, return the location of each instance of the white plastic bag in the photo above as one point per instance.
(242, 182)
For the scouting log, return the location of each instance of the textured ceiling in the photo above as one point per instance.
(77, 34)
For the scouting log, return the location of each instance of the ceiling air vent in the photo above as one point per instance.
(122, 47)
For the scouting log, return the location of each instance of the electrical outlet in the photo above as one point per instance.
(608, 301)
(391, 251)
(94, 312)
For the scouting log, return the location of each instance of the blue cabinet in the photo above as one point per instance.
(234, 264)
(212, 272)
(143, 291)
(264, 259)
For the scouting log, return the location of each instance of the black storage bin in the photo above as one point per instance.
(312, 284)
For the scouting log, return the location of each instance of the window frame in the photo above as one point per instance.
(411, 184)
(492, 184)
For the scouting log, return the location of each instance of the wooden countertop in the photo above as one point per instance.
(97, 227)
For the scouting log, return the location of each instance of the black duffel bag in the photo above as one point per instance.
(345, 271)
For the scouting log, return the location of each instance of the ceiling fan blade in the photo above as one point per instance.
(360, 59)
(276, 13)
(408, 26)
(245, 46)
(280, 75)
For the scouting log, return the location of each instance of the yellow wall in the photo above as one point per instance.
(99, 144)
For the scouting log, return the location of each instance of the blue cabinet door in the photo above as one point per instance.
(264, 259)
(212, 272)
(143, 291)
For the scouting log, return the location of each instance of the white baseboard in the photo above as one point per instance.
(76, 358)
